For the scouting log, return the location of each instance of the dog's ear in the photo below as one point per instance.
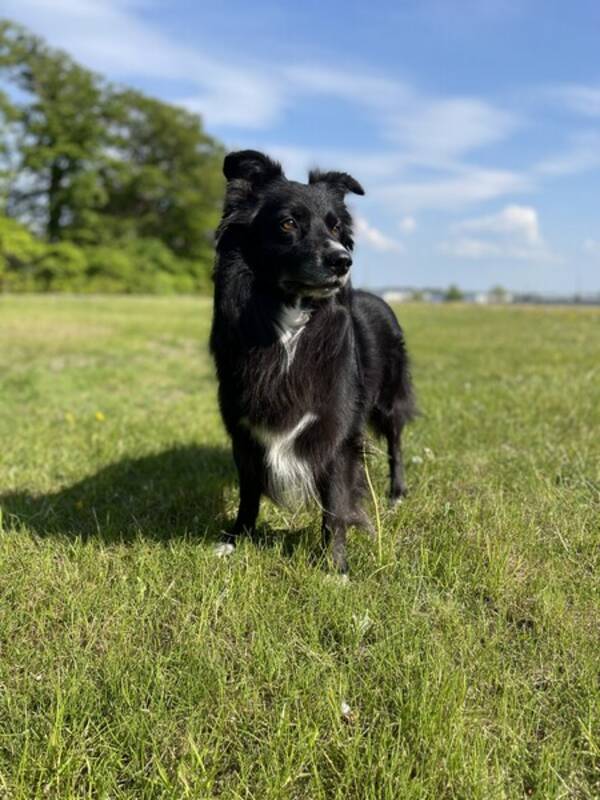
(252, 166)
(338, 181)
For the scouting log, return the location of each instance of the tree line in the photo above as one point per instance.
(102, 188)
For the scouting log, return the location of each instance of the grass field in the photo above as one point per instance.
(133, 664)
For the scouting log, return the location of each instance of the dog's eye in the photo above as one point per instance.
(336, 228)
(288, 224)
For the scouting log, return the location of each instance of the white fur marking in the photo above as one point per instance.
(290, 478)
(290, 325)
(223, 550)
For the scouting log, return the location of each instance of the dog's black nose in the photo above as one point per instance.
(340, 262)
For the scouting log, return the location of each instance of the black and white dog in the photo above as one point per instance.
(304, 362)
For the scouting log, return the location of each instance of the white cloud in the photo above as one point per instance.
(108, 36)
(366, 167)
(471, 185)
(580, 99)
(111, 36)
(449, 127)
(408, 224)
(372, 237)
(250, 102)
(465, 247)
(374, 91)
(512, 233)
(582, 155)
(519, 221)
(427, 139)
(425, 127)
(591, 247)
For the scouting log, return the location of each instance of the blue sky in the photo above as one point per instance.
(473, 125)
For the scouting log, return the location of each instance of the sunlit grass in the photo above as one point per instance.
(460, 662)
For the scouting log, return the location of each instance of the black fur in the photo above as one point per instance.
(283, 244)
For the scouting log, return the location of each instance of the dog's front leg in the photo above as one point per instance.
(250, 492)
(335, 519)
(249, 478)
(334, 531)
(245, 522)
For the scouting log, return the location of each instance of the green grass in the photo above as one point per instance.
(133, 664)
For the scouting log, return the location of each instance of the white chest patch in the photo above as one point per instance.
(290, 324)
(291, 481)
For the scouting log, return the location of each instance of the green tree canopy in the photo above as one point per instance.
(93, 164)
(498, 294)
(164, 180)
(61, 133)
(453, 294)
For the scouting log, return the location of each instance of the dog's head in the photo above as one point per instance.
(296, 237)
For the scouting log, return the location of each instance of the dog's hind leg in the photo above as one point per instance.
(390, 424)
(393, 435)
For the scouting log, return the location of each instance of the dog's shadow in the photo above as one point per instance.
(174, 493)
(179, 492)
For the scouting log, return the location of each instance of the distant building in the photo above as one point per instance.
(485, 298)
(495, 296)
(398, 295)
(404, 294)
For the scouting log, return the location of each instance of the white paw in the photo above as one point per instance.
(337, 579)
(347, 714)
(223, 550)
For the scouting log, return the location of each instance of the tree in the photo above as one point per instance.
(62, 267)
(9, 115)
(164, 180)
(102, 166)
(453, 294)
(61, 134)
(19, 254)
(498, 294)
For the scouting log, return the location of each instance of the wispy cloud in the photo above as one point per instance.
(374, 238)
(472, 185)
(426, 128)
(388, 178)
(374, 91)
(582, 154)
(519, 221)
(425, 150)
(111, 36)
(512, 233)
(591, 247)
(408, 224)
(108, 36)
(437, 129)
(580, 99)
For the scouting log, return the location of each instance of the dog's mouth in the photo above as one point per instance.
(315, 290)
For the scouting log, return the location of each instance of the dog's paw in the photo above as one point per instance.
(398, 497)
(223, 549)
(337, 578)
